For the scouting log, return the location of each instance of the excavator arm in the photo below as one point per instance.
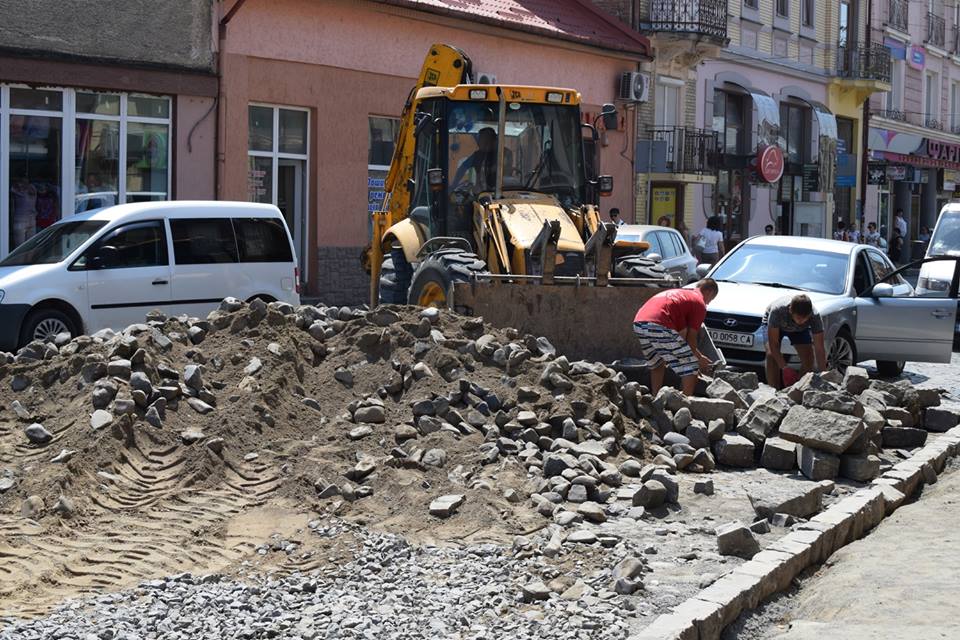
(444, 66)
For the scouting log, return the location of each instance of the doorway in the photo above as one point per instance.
(291, 177)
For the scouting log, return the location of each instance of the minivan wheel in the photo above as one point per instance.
(842, 352)
(45, 325)
(890, 368)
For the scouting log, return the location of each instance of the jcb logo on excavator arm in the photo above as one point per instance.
(431, 78)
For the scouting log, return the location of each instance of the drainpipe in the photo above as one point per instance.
(221, 42)
(865, 128)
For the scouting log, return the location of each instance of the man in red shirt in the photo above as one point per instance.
(667, 325)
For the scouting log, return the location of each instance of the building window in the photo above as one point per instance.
(383, 140)
(894, 100)
(277, 162)
(955, 107)
(806, 13)
(793, 129)
(931, 93)
(667, 106)
(783, 8)
(751, 4)
(728, 120)
(64, 151)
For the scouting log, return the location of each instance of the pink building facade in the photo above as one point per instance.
(311, 92)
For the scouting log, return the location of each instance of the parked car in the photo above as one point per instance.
(107, 268)
(665, 243)
(936, 276)
(869, 311)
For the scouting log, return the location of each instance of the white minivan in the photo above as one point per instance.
(936, 277)
(109, 267)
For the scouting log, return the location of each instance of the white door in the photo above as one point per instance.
(128, 274)
(205, 265)
(903, 328)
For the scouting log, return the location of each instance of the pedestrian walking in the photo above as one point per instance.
(709, 243)
(899, 222)
(793, 318)
(668, 326)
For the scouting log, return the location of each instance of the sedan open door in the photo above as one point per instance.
(906, 328)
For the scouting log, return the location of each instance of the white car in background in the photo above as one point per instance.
(109, 267)
(666, 245)
(937, 276)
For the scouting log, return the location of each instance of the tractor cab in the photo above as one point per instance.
(465, 155)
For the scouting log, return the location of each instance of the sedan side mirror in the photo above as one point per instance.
(656, 257)
(882, 290)
(703, 270)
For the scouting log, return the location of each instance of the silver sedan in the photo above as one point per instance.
(867, 315)
(667, 246)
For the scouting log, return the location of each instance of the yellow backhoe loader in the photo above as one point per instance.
(491, 209)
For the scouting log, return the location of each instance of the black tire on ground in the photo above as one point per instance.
(889, 368)
(840, 355)
(636, 266)
(45, 324)
(395, 274)
(438, 271)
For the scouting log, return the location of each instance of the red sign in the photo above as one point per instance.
(943, 150)
(770, 163)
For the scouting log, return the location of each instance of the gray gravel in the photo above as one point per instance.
(390, 590)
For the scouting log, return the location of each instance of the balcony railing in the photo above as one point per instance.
(864, 62)
(936, 29)
(933, 123)
(698, 17)
(955, 40)
(898, 14)
(688, 150)
(890, 114)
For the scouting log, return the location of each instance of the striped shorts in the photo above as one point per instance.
(661, 345)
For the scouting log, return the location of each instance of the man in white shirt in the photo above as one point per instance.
(900, 223)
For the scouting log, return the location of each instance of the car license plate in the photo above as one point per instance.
(731, 337)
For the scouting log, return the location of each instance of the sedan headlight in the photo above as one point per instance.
(930, 284)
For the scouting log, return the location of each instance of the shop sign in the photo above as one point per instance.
(942, 150)
(917, 57)
(770, 163)
(950, 179)
(876, 174)
(898, 50)
(664, 204)
(896, 172)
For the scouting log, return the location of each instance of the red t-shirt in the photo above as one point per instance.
(675, 309)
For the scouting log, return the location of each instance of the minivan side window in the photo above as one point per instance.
(141, 244)
(262, 240)
(203, 241)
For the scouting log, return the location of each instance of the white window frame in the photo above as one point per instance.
(954, 106)
(663, 84)
(276, 155)
(68, 115)
(894, 101)
(931, 98)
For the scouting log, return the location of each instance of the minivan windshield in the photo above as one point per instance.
(946, 237)
(53, 244)
(786, 268)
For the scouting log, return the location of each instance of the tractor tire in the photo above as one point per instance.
(395, 274)
(437, 273)
(636, 266)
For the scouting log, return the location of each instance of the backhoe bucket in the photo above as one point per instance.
(583, 322)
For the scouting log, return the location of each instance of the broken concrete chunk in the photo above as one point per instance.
(763, 418)
(903, 437)
(735, 539)
(940, 420)
(816, 464)
(796, 497)
(862, 468)
(734, 451)
(446, 506)
(778, 455)
(837, 402)
(856, 380)
(708, 409)
(824, 430)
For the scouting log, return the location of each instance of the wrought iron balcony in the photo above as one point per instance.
(898, 14)
(864, 62)
(697, 17)
(955, 129)
(933, 123)
(936, 30)
(688, 150)
(955, 40)
(890, 114)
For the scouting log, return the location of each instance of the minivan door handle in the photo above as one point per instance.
(160, 281)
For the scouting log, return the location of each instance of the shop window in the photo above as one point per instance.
(65, 151)
(793, 128)
(383, 139)
(728, 120)
(277, 159)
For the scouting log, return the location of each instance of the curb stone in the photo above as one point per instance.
(705, 615)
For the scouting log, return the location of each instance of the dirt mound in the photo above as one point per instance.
(163, 448)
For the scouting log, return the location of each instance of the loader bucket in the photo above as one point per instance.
(583, 322)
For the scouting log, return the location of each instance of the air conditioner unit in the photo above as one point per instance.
(485, 78)
(634, 86)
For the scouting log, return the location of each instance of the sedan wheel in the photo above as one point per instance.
(842, 353)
